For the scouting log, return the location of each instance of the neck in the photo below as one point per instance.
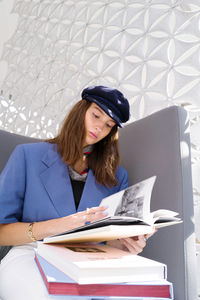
(81, 164)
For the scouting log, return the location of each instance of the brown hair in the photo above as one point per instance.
(104, 158)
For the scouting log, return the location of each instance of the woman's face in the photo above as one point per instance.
(97, 124)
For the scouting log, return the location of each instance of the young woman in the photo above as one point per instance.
(46, 188)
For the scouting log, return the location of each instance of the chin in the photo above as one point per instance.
(90, 142)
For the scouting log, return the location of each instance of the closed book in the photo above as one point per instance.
(99, 263)
(58, 283)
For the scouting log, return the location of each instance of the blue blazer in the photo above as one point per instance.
(35, 186)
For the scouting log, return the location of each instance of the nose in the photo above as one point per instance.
(99, 126)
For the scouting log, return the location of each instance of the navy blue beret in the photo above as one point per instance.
(110, 100)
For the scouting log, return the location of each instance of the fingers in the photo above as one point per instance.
(91, 214)
(96, 209)
(95, 216)
(81, 218)
(92, 210)
(135, 245)
(150, 234)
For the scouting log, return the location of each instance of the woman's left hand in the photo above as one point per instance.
(135, 244)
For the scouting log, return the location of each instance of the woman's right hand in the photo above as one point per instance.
(80, 218)
(17, 233)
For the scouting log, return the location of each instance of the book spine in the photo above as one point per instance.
(42, 273)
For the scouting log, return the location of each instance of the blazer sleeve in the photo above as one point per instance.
(12, 187)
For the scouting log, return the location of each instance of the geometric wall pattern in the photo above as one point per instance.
(149, 49)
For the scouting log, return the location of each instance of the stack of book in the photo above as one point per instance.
(75, 264)
(99, 270)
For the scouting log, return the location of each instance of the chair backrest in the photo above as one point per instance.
(8, 141)
(156, 145)
(160, 145)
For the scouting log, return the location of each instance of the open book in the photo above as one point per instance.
(129, 215)
(133, 205)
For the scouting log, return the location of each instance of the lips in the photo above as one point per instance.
(92, 134)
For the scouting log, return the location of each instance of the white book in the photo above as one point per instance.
(129, 215)
(99, 263)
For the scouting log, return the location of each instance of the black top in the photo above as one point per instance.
(77, 187)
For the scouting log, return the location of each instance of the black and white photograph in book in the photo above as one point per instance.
(131, 203)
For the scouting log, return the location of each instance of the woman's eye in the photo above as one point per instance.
(108, 125)
(95, 115)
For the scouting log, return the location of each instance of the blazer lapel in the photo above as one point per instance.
(56, 180)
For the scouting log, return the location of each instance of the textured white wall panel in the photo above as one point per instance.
(148, 49)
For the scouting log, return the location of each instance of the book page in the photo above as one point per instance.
(164, 213)
(132, 202)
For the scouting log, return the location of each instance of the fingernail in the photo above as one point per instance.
(105, 213)
(106, 206)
